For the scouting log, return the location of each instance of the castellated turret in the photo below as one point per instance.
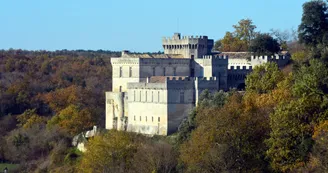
(188, 46)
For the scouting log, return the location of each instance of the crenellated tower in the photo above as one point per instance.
(188, 46)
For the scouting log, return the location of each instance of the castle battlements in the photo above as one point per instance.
(187, 38)
(232, 68)
(215, 57)
(272, 57)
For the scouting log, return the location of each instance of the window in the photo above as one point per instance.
(140, 118)
(134, 118)
(140, 96)
(146, 118)
(153, 71)
(120, 89)
(164, 71)
(121, 72)
(158, 97)
(181, 97)
(174, 71)
(130, 71)
(146, 96)
(152, 119)
(152, 96)
(159, 119)
(134, 95)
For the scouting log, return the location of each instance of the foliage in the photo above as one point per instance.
(264, 44)
(29, 118)
(264, 78)
(113, 152)
(73, 119)
(313, 28)
(239, 40)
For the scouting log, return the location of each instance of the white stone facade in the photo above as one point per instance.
(153, 93)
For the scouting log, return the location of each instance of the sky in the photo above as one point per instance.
(135, 25)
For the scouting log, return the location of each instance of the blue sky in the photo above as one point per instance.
(136, 25)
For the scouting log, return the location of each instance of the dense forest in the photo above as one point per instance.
(278, 124)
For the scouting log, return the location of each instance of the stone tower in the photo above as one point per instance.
(188, 46)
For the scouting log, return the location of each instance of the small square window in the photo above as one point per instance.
(159, 119)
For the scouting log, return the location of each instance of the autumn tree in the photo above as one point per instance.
(73, 119)
(238, 40)
(111, 152)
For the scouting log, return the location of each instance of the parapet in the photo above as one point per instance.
(170, 79)
(240, 68)
(215, 57)
(272, 57)
(183, 39)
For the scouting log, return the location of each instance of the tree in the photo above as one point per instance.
(73, 119)
(283, 37)
(155, 156)
(290, 139)
(231, 43)
(313, 27)
(111, 152)
(264, 78)
(245, 31)
(264, 44)
(238, 40)
(30, 118)
(320, 148)
(227, 139)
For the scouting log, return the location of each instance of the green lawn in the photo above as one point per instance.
(11, 167)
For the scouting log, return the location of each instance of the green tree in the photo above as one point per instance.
(245, 31)
(313, 27)
(264, 78)
(264, 44)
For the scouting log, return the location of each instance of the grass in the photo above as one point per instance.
(11, 167)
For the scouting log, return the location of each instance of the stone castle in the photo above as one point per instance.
(153, 93)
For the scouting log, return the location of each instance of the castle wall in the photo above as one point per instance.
(114, 110)
(147, 108)
(237, 75)
(164, 67)
(281, 60)
(124, 70)
(238, 62)
(210, 66)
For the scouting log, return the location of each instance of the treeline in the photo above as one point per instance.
(245, 38)
(45, 99)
